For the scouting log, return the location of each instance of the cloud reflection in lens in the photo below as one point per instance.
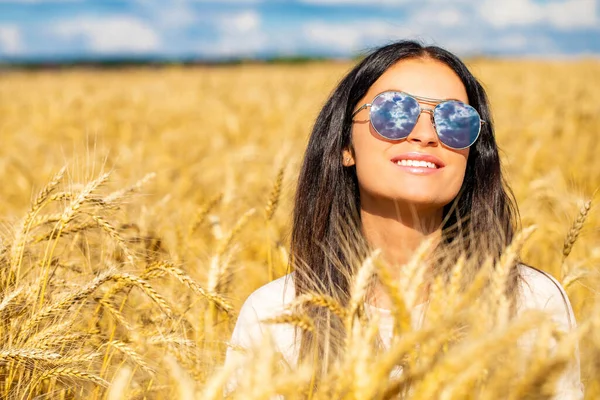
(394, 114)
(457, 124)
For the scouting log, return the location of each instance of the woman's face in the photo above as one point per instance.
(379, 175)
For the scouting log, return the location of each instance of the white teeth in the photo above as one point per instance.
(416, 163)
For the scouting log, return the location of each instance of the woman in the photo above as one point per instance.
(402, 152)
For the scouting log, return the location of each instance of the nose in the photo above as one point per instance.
(424, 131)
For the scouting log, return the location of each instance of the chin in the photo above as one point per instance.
(420, 200)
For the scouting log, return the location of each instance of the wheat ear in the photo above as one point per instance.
(112, 232)
(201, 214)
(114, 196)
(412, 274)
(216, 270)
(359, 286)
(190, 283)
(45, 219)
(146, 288)
(302, 321)
(27, 355)
(226, 241)
(65, 302)
(75, 204)
(72, 373)
(573, 234)
(8, 298)
(402, 318)
(269, 212)
(20, 239)
(115, 313)
(128, 351)
(318, 300)
(275, 195)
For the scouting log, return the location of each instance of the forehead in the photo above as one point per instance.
(421, 77)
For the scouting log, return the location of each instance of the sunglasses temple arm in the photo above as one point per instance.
(361, 108)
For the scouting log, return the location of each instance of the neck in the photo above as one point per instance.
(398, 229)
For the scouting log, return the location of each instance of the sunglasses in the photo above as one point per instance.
(395, 114)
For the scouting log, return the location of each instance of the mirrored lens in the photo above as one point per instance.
(394, 114)
(457, 124)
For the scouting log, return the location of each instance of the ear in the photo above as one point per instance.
(347, 158)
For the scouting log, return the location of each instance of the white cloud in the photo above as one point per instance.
(565, 14)
(511, 42)
(244, 22)
(178, 13)
(354, 35)
(10, 39)
(241, 34)
(435, 17)
(177, 16)
(111, 34)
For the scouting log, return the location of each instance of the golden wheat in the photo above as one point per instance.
(62, 329)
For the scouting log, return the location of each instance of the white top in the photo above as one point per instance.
(538, 291)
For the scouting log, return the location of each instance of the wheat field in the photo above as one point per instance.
(140, 207)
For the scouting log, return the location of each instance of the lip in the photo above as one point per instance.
(419, 157)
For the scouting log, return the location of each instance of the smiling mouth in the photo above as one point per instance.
(416, 164)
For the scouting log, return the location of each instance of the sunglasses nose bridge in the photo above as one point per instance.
(430, 137)
(430, 112)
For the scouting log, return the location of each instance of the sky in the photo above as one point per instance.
(67, 29)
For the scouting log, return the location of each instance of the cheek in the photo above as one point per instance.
(369, 155)
(456, 178)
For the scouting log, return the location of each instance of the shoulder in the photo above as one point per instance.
(267, 301)
(540, 290)
(272, 297)
(249, 332)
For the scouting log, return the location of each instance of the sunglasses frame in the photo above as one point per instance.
(421, 99)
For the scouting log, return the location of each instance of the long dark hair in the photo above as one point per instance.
(326, 234)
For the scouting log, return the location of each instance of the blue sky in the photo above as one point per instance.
(40, 29)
